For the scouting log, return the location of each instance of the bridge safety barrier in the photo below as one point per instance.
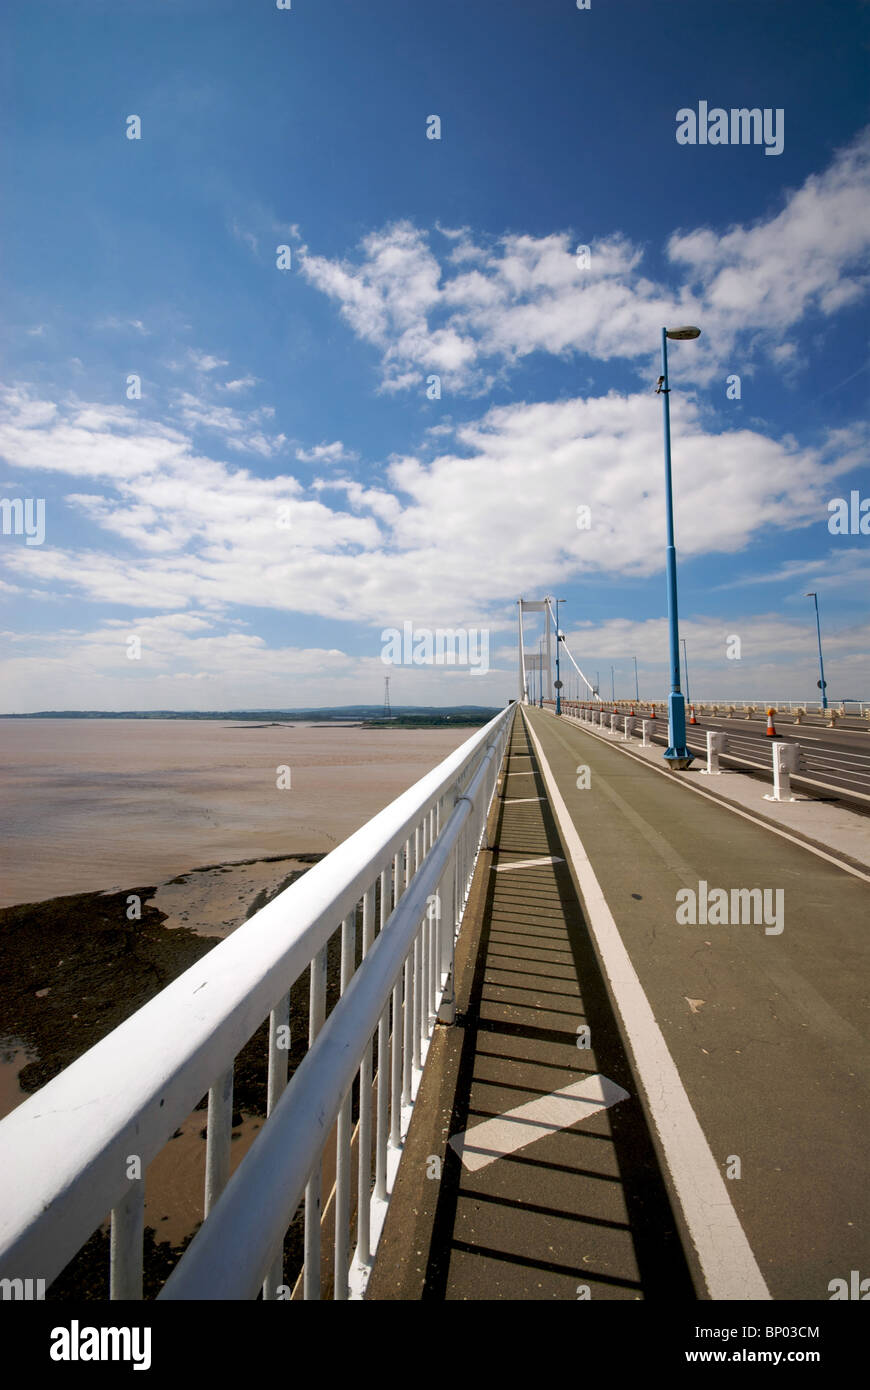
(404, 877)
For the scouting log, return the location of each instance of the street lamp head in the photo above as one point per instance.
(809, 595)
(682, 333)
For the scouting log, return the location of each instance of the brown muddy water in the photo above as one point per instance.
(91, 804)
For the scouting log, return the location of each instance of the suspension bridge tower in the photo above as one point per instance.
(531, 661)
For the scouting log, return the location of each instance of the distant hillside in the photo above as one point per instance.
(479, 713)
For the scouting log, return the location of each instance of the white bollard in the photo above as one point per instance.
(717, 743)
(613, 723)
(785, 762)
(646, 725)
(629, 725)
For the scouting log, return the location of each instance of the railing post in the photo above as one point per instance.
(418, 998)
(218, 1138)
(364, 1137)
(447, 1012)
(384, 1071)
(422, 958)
(314, 1186)
(396, 1064)
(125, 1246)
(408, 1028)
(343, 1128)
(279, 1056)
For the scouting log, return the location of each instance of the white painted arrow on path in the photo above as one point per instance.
(516, 1128)
(529, 863)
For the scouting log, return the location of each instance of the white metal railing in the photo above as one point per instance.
(857, 709)
(65, 1153)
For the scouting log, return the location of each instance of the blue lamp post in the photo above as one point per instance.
(558, 672)
(677, 755)
(541, 674)
(822, 684)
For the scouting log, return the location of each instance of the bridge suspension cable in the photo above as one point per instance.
(593, 692)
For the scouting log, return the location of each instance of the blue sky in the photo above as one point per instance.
(285, 488)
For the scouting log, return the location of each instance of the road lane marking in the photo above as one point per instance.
(515, 1129)
(521, 800)
(530, 863)
(727, 1262)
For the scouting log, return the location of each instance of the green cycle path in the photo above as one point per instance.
(727, 1155)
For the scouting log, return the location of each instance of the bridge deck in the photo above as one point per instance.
(766, 1031)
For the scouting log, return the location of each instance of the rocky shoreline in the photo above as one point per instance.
(74, 968)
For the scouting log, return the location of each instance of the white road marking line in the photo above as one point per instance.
(515, 1129)
(727, 1263)
(529, 863)
(521, 800)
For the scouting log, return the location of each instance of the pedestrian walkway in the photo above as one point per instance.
(749, 1069)
(549, 1188)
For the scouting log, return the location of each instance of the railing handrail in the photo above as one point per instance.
(814, 706)
(64, 1152)
(283, 1155)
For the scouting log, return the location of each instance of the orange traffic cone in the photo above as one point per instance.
(692, 720)
(771, 731)
(631, 711)
(653, 712)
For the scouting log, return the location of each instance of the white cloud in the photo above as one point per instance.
(250, 240)
(242, 383)
(452, 539)
(242, 431)
(326, 453)
(118, 324)
(500, 302)
(778, 656)
(187, 661)
(847, 567)
(204, 361)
